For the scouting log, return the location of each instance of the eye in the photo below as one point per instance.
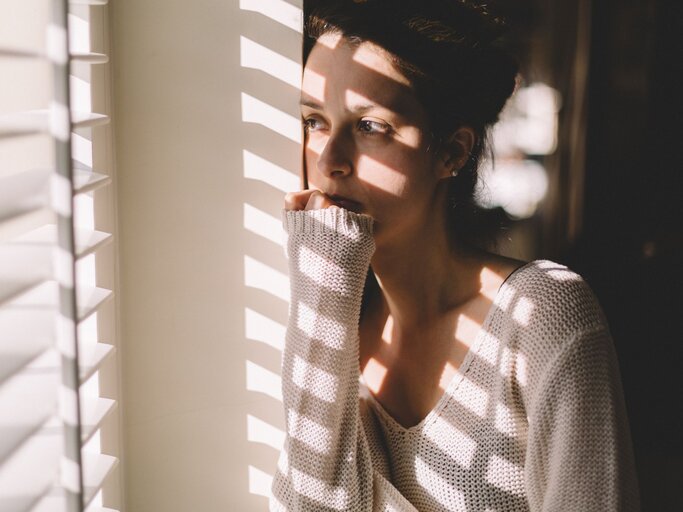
(370, 127)
(311, 124)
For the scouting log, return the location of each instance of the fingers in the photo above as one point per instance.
(297, 200)
(307, 200)
(318, 201)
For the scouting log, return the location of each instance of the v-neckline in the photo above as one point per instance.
(460, 372)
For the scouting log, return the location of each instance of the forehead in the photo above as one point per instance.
(337, 71)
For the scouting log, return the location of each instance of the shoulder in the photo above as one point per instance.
(550, 298)
(543, 307)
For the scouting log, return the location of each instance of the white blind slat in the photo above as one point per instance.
(23, 192)
(26, 333)
(31, 395)
(32, 469)
(87, 181)
(88, 119)
(88, 2)
(53, 501)
(46, 361)
(29, 259)
(19, 124)
(87, 241)
(42, 386)
(23, 265)
(15, 289)
(90, 298)
(21, 53)
(96, 468)
(92, 356)
(30, 398)
(33, 122)
(93, 412)
(90, 58)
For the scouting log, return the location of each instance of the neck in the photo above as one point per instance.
(421, 277)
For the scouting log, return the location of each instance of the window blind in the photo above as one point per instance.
(50, 354)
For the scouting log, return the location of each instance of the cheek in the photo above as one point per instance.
(311, 155)
(387, 177)
(315, 144)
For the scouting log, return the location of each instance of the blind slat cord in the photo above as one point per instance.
(65, 264)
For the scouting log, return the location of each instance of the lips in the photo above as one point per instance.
(346, 203)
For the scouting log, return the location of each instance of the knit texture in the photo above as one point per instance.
(534, 419)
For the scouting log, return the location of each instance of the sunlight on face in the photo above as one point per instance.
(369, 57)
(357, 102)
(313, 84)
(367, 134)
(330, 40)
(383, 176)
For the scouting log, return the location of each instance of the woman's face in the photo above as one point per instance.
(367, 136)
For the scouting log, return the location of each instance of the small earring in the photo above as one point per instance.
(451, 161)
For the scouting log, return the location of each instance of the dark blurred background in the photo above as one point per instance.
(613, 206)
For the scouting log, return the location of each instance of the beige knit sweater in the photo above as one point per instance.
(534, 419)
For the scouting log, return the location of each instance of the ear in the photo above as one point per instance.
(456, 150)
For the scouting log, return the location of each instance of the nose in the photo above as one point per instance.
(335, 158)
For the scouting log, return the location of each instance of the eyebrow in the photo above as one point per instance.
(310, 103)
(358, 109)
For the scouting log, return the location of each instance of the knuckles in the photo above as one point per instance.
(307, 200)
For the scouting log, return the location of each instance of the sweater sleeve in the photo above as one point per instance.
(579, 454)
(325, 462)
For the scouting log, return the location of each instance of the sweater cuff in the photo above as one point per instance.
(325, 221)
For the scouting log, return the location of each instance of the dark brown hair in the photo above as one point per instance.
(447, 49)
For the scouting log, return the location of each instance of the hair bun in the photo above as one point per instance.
(489, 27)
(457, 21)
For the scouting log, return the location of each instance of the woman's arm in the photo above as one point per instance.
(579, 454)
(325, 463)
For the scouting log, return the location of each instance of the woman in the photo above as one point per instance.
(454, 378)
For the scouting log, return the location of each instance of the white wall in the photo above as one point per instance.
(180, 142)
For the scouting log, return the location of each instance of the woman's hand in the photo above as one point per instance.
(308, 200)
